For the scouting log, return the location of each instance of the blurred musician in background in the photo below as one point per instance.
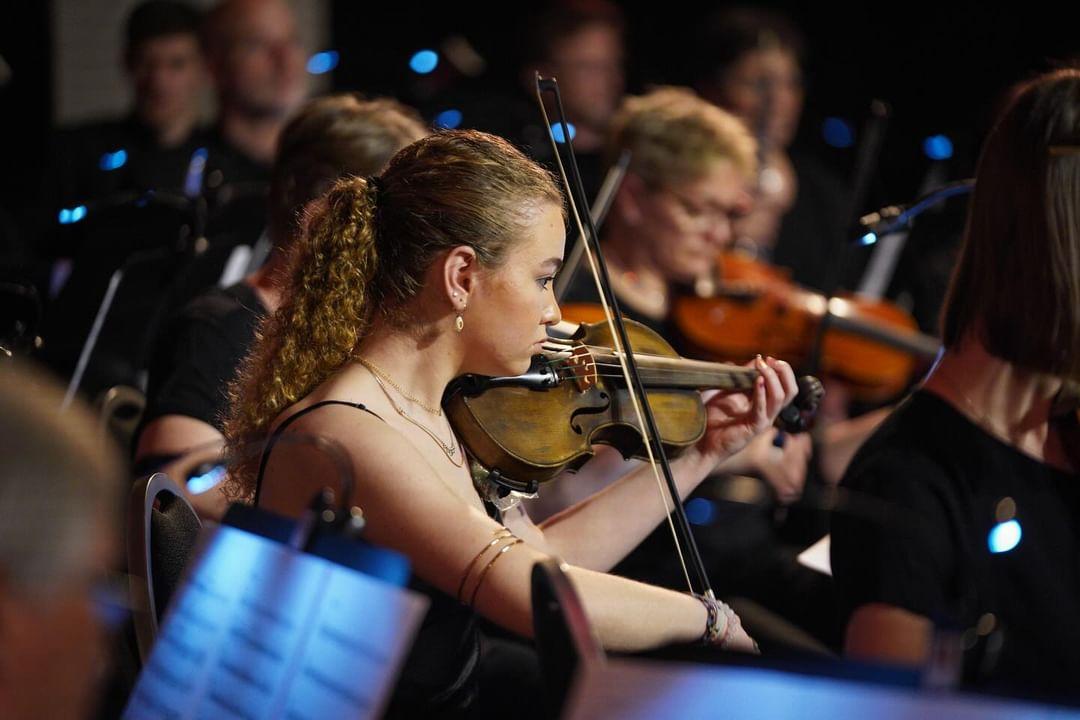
(151, 148)
(980, 467)
(257, 64)
(749, 61)
(331, 137)
(689, 182)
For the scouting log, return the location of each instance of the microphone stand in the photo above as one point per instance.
(866, 163)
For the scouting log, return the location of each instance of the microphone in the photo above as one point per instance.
(894, 217)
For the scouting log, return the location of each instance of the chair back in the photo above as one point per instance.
(120, 408)
(162, 529)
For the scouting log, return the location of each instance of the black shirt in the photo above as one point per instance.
(926, 548)
(199, 353)
(101, 159)
(228, 165)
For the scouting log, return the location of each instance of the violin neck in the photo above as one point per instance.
(658, 371)
(910, 341)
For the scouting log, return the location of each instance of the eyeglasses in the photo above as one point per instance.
(703, 216)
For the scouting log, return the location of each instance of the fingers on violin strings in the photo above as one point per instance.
(761, 403)
(774, 388)
(787, 379)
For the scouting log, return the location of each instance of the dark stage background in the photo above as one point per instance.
(941, 68)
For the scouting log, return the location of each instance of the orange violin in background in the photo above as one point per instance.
(872, 345)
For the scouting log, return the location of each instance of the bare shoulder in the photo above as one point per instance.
(338, 432)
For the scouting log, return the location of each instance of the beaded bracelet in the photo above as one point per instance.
(713, 635)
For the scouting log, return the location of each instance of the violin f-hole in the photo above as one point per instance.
(589, 410)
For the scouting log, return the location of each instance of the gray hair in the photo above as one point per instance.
(58, 484)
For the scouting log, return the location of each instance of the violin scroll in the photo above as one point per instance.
(799, 415)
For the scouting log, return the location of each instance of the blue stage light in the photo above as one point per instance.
(113, 160)
(868, 239)
(557, 131)
(938, 147)
(1005, 536)
(838, 132)
(68, 216)
(201, 483)
(322, 62)
(424, 61)
(448, 119)
(700, 511)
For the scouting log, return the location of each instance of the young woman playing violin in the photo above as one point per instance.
(442, 266)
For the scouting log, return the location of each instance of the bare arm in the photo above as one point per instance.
(175, 435)
(599, 531)
(409, 508)
(602, 529)
(194, 443)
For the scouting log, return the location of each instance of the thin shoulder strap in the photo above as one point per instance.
(272, 441)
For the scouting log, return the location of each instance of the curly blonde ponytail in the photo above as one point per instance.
(318, 326)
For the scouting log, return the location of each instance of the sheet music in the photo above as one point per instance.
(259, 630)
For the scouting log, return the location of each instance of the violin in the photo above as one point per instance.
(526, 429)
(873, 345)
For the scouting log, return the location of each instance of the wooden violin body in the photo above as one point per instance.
(528, 429)
(528, 435)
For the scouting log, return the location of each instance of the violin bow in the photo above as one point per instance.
(601, 206)
(590, 242)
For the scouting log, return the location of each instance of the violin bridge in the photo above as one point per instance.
(583, 365)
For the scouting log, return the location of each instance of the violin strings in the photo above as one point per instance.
(570, 372)
(553, 355)
(652, 373)
(719, 367)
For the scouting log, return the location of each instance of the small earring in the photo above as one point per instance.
(459, 322)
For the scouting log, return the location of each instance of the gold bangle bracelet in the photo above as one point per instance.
(500, 535)
(483, 573)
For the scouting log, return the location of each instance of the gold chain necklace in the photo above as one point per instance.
(449, 450)
(380, 374)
